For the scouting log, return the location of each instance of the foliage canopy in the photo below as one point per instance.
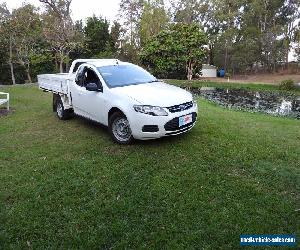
(176, 51)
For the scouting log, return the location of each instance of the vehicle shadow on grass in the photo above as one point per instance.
(90, 124)
(160, 141)
(98, 127)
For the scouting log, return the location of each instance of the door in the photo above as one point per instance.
(89, 104)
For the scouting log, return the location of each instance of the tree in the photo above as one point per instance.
(115, 35)
(177, 49)
(297, 43)
(228, 13)
(97, 35)
(291, 14)
(188, 11)
(59, 29)
(7, 36)
(200, 12)
(79, 36)
(27, 29)
(154, 19)
(130, 13)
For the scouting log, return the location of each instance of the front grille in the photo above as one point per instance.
(173, 124)
(180, 107)
(150, 128)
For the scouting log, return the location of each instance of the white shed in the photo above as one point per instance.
(208, 70)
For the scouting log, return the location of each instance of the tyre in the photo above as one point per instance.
(61, 112)
(119, 128)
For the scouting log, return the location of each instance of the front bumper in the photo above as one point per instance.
(167, 125)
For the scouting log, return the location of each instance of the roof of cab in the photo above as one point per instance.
(101, 62)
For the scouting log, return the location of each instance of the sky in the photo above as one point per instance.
(81, 9)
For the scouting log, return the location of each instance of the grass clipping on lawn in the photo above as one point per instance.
(65, 184)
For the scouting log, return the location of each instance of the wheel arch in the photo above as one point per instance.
(112, 111)
(54, 101)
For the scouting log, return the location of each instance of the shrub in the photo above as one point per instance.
(175, 52)
(287, 85)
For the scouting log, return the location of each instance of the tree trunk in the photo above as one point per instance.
(190, 66)
(287, 59)
(61, 56)
(28, 74)
(67, 63)
(225, 57)
(56, 63)
(210, 55)
(26, 70)
(61, 62)
(13, 79)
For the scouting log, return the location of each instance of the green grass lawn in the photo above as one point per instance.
(65, 184)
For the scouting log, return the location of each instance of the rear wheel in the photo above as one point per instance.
(119, 128)
(61, 112)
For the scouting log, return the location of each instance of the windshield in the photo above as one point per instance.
(124, 75)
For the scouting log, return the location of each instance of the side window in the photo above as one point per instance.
(80, 77)
(91, 77)
(77, 65)
(86, 75)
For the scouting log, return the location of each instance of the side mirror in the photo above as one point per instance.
(92, 87)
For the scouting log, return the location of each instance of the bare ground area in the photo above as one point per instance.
(4, 112)
(259, 78)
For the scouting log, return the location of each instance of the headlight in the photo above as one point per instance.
(150, 110)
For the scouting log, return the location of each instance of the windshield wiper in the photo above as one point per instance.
(156, 80)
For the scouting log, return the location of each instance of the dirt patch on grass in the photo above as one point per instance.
(5, 112)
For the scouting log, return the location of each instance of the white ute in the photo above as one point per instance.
(127, 99)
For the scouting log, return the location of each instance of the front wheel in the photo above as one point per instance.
(119, 128)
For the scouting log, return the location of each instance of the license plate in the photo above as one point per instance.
(183, 120)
